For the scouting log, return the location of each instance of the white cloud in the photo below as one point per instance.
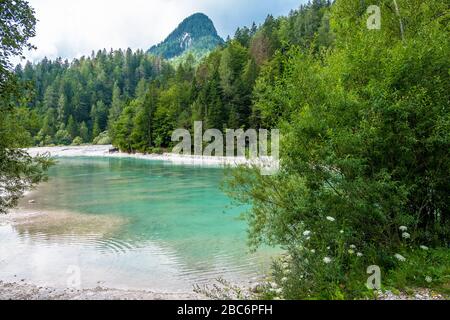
(71, 28)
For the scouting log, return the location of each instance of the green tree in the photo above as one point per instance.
(49, 123)
(84, 132)
(96, 130)
(72, 127)
(63, 137)
(99, 114)
(123, 128)
(142, 133)
(115, 110)
(77, 141)
(364, 149)
(18, 171)
(50, 99)
(62, 108)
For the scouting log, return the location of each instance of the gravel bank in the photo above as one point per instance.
(419, 294)
(104, 151)
(24, 291)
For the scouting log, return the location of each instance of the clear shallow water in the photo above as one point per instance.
(129, 223)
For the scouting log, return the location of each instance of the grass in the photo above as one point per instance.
(422, 269)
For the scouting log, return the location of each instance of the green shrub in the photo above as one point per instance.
(157, 150)
(102, 139)
(62, 137)
(364, 151)
(425, 268)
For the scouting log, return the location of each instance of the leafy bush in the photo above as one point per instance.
(77, 141)
(102, 139)
(157, 150)
(62, 137)
(46, 141)
(364, 150)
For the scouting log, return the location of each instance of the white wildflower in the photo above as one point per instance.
(406, 235)
(342, 231)
(284, 279)
(328, 248)
(424, 247)
(403, 228)
(279, 291)
(307, 233)
(313, 251)
(351, 251)
(352, 246)
(399, 257)
(429, 279)
(331, 219)
(285, 265)
(359, 254)
(327, 260)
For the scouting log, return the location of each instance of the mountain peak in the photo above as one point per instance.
(195, 34)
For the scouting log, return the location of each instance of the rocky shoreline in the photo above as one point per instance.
(108, 151)
(25, 291)
(418, 294)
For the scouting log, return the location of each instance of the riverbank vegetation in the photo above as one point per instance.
(18, 171)
(365, 155)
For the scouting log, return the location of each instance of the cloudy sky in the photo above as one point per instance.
(70, 28)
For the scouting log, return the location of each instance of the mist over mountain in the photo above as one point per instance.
(196, 34)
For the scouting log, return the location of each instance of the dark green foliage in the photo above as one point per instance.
(84, 132)
(196, 34)
(62, 136)
(365, 149)
(97, 89)
(17, 26)
(91, 89)
(18, 171)
(72, 127)
(102, 139)
(77, 141)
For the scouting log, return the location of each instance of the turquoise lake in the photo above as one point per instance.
(132, 224)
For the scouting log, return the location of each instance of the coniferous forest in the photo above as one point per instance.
(365, 133)
(139, 99)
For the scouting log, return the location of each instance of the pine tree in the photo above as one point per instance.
(72, 128)
(96, 130)
(84, 132)
(115, 110)
(50, 99)
(62, 108)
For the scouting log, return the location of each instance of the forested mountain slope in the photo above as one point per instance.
(140, 99)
